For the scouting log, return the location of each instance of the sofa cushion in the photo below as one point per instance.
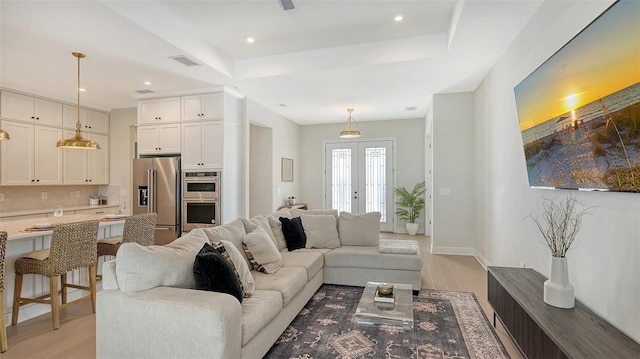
(260, 247)
(370, 257)
(233, 232)
(262, 221)
(240, 266)
(359, 229)
(289, 281)
(258, 311)
(212, 272)
(276, 229)
(311, 261)
(293, 233)
(296, 212)
(144, 267)
(321, 231)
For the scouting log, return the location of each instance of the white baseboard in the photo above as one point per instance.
(456, 251)
(482, 260)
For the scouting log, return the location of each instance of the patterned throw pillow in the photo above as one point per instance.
(246, 281)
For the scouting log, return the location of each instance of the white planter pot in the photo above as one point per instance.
(412, 228)
(558, 292)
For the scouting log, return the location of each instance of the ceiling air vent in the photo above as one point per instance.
(185, 60)
(410, 108)
(144, 91)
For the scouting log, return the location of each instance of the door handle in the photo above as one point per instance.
(162, 229)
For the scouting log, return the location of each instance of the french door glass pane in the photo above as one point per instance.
(341, 179)
(375, 181)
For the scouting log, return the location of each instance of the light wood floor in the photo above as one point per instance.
(36, 338)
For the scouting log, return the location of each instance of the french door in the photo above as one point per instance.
(359, 178)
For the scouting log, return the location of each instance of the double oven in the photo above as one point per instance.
(200, 199)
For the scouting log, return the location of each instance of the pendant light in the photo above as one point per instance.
(77, 142)
(4, 135)
(351, 129)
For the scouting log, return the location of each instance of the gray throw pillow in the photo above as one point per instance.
(359, 229)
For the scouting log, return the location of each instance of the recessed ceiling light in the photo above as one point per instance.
(148, 83)
(250, 40)
(82, 89)
(398, 18)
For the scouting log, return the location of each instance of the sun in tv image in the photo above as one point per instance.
(579, 111)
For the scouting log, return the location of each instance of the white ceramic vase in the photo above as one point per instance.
(412, 228)
(558, 292)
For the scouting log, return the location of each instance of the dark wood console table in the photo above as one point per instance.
(297, 205)
(543, 331)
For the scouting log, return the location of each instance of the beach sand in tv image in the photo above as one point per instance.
(579, 112)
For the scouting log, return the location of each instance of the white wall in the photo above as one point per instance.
(261, 166)
(409, 155)
(121, 140)
(604, 267)
(453, 174)
(286, 135)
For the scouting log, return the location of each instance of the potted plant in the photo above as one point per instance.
(410, 204)
(561, 222)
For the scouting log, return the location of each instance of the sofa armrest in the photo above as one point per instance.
(109, 280)
(168, 322)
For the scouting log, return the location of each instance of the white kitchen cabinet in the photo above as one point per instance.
(202, 145)
(90, 120)
(159, 111)
(161, 139)
(87, 166)
(202, 107)
(20, 107)
(31, 157)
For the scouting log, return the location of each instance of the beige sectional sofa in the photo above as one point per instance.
(149, 309)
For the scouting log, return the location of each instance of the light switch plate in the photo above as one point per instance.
(43, 195)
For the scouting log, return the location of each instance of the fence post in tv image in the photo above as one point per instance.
(579, 111)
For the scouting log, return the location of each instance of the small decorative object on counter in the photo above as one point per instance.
(384, 293)
(291, 200)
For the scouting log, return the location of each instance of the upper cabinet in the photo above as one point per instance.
(202, 107)
(31, 157)
(202, 145)
(159, 110)
(159, 140)
(20, 107)
(87, 167)
(90, 120)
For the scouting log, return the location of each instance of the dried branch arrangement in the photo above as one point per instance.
(561, 222)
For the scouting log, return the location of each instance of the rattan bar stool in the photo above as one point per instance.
(73, 246)
(3, 326)
(138, 228)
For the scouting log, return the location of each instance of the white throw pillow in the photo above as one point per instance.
(248, 285)
(359, 229)
(263, 250)
(276, 229)
(262, 221)
(233, 231)
(141, 268)
(296, 212)
(321, 231)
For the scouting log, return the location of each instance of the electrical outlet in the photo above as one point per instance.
(43, 195)
(1, 197)
(73, 194)
(77, 193)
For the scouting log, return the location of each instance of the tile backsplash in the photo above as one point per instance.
(26, 198)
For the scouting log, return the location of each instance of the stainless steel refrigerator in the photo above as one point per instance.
(156, 187)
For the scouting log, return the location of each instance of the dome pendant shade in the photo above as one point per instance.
(351, 129)
(77, 142)
(4, 135)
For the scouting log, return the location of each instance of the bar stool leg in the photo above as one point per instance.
(92, 286)
(55, 310)
(17, 289)
(63, 287)
(3, 328)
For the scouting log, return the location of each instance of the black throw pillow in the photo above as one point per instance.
(293, 233)
(213, 273)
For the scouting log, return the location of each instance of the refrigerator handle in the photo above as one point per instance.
(151, 180)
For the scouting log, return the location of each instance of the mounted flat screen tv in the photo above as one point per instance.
(579, 111)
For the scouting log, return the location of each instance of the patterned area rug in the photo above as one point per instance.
(448, 325)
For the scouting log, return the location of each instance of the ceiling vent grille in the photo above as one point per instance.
(143, 91)
(185, 60)
(286, 4)
(410, 108)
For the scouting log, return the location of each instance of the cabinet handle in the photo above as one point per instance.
(37, 118)
(99, 212)
(33, 180)
(33, 117)
(37, 180)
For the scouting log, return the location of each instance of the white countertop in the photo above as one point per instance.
(15, 229)
(5, 214)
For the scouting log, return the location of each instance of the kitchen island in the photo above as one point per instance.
(21, 241)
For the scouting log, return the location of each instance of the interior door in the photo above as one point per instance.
(359, 178)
